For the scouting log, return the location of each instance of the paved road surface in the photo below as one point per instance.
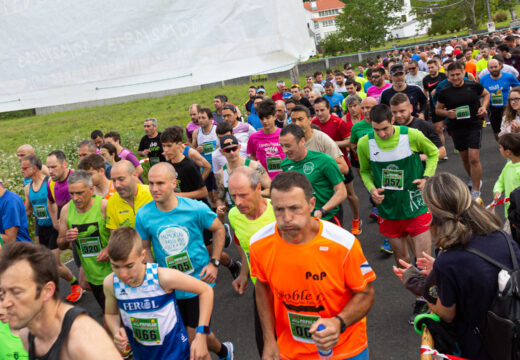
(389, 334)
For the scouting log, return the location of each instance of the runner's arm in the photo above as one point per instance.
(62, 229)
(421, 144)
(221, 190)
(139, 170)
(265, 180)
(340, 194)
(484, 100)
(240, 283)
(9, 235)
(364, 163)
(28, 207)
(89, 341)
(112, 319)
(53, 213)
(148, 251)
(445, 313)
(342, 165)
(201, 162)
(195, 194)
(210, 271)
(265, 306)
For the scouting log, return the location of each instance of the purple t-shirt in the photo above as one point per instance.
(126, 154)
(60, 190)
(190, 128)
(375, 92)
(267, 149)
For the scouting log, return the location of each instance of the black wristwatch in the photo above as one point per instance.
(425, 177)
(342, 324)
(323, 212)
(215, 262)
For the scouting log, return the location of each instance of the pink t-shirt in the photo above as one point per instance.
(375, 92)
(267, 149)
(190, 128)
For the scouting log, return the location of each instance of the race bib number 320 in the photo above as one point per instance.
(392, 179)
(90, 246)
(146, 330)
(300, 326)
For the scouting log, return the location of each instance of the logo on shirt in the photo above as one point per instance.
(123, 292)
(301, 300)
(308, 168)
(320, 276)
(140, 305)
(173, 239)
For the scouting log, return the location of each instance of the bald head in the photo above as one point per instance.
(245, 190)
(494, 68)
(163, 168)
(124, 165)
(24, 150)
(366, 105)
(244, 173)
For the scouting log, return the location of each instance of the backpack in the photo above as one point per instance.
(513, 214)
(501, 337)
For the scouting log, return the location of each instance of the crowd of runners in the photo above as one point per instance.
(149, 236)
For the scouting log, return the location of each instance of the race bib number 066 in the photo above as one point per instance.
(146, 330)
(300, 326)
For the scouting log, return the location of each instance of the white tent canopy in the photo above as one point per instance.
(57, 52)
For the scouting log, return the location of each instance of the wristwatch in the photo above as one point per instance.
(203, 329)
(425, 177)
(215, 262)
(323, 212)
(343, 327)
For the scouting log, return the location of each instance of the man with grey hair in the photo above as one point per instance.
(280, 87)
(82, 224)
(26, 150)
(251, 213)
(150, 144)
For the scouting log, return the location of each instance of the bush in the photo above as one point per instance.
(500, 17)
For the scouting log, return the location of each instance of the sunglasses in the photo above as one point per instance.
(230, 149)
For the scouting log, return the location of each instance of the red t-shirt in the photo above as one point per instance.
(337, 129)
(277, 96)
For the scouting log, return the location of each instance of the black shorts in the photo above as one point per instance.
(354, 162)
(189, 309)
(466, 137)
(349, 177)
(48, 236)
(495, 117)
(210, 182)
(99, 295)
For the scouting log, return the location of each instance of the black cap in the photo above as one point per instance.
(227, 141)
(396, 69)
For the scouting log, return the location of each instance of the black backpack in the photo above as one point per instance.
(501, 337)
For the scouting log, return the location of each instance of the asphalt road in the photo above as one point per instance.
(389, 334)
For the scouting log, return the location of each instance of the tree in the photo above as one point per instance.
(364, 24)
(332, 44)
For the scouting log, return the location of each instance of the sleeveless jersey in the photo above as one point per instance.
(225, 180)
(54, 352)
(394, 170)
(92, 237)
(38, 201)
(151, 319)
(208, 142)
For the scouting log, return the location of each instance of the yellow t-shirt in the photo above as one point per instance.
(120, 213)
(244, 228)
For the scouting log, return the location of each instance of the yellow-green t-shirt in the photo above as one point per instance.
(244, 228)
(481, 64)
(11, 347)
(120, 213)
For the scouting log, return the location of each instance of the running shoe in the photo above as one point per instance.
(386, 248)
(420, 307)
(76, 292)
(374, 214)
(235, 268)
(356, 226)
(469, 182)
(230, 349)
(229, 235)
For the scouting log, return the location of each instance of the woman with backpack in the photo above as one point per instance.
(462, 286)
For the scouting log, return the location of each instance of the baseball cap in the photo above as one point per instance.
(227, 141)
(396, 69)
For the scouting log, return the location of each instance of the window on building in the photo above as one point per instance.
(329, 12)
(327, 23)
(318, 37)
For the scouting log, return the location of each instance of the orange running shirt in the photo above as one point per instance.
(309, 281)
(111, 190)
(471, 67)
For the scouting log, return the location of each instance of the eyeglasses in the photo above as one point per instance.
(412, 68)
(230, 149)
(514, 99)
(376, 76)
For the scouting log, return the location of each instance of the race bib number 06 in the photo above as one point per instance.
(300, 326)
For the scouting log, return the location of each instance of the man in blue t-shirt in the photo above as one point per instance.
(13, 219)
(335, 99)
(498, 84)
(174, 226)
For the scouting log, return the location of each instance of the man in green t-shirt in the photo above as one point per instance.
(83, 224)
(392, 172)
(251, 213)
(321, 170)
(11, 347)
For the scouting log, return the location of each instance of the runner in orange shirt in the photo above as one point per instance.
(309, 272)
